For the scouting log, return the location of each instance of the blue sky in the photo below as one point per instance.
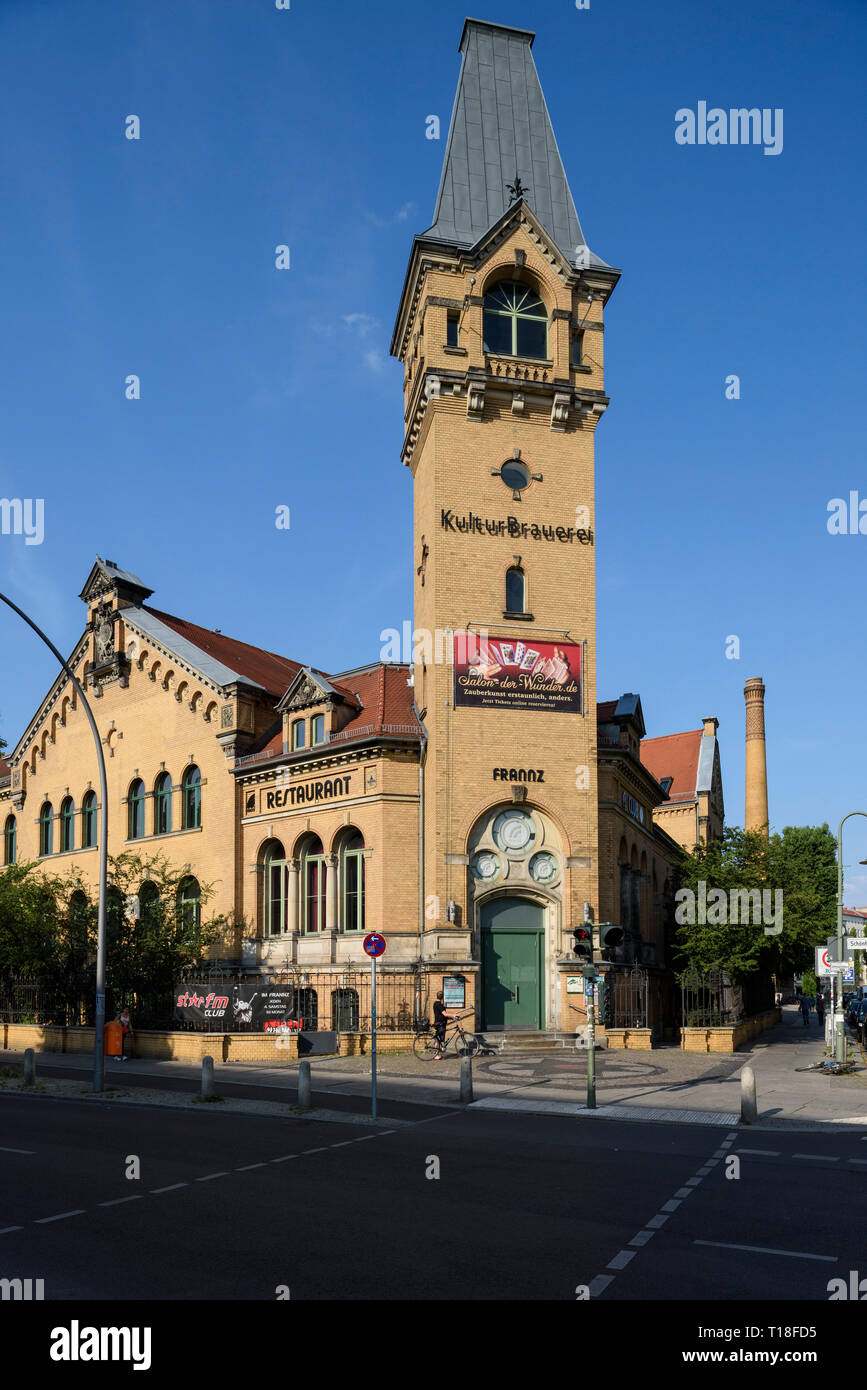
(261, 388)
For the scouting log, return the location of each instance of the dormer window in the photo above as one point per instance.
(317, 729)
(515, 321)
(298, 735)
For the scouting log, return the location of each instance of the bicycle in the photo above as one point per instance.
(456, 1040)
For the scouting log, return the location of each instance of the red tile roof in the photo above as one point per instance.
(675, 756)
(274, 673)
(5, 769)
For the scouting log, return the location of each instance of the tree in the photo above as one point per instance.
(795, 871)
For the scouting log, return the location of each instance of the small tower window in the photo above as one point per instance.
(515, 321)
(453, 328)
(577, 352)
(516, 590)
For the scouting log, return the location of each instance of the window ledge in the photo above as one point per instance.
(454, 351)
(587, 370)
(519, 617)
(164, 835)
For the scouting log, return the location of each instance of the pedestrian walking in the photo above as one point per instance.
(127, 1030)
(820, 1009)
(806, 1003)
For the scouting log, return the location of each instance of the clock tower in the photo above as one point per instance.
(500, 332)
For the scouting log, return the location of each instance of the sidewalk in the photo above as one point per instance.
(667, 1084)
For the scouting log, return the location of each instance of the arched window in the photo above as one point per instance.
(515, 321)
(163, 804)
(190, 903)
(148, 904)
(46, 829)
(275, 884)
(317, 728)
(516, 590)
(352, 881)
(136, 809)
(344, 1010)
(67, 825)
(88, 820)
(313, 877)
(191, 798)
(298, 734)
(79, 913)
(10, 841)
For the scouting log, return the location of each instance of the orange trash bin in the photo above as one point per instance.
(113, 1040)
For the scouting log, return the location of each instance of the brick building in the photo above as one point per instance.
(475, 806)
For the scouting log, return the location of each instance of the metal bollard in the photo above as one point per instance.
(749, 1108)
(207, 1078)
(304, 1096)
(29, 1067)
(466, 1094)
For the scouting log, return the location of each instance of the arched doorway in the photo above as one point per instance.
(512, 931)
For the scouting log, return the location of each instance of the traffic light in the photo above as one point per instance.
(611, 937)
(606, 1000)
(582, 943)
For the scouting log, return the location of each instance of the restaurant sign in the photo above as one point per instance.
(507, 673)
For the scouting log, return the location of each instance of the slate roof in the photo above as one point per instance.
(384, 703)
(230, 660)
(500, 127)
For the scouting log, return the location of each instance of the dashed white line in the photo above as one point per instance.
(670, 1206)
(208, 1176)
(599, 1284)
(683, 1192)
(315, 1151)
(621, 1259)
(173, 1187)
(693, 1182)
(247, 1166)
(117, 1201)
(766, 1250)
(343, 1143)
(285, 1158)
(656, 1221)
(7, 1229)
(708, 1168)
(16, 1151)
(819, 1158)
(858, 1160)
(642, 1238)
(767, 1153)
(44, 1220)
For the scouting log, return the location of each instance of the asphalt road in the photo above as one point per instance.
(524, 1207)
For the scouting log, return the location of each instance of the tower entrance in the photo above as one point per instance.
(512, 950)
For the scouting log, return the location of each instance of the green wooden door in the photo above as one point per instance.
(512, 935)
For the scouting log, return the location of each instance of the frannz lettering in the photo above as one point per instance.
(519, 774)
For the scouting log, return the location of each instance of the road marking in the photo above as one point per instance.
(656, 1221)
(708, 1168)
(16, 1151)
(765, 1250)
(693, 1182)
(43, 1220)
(642, 1238)
(313, 1151)
(858, 1160)
(767, 1153)
(344, 1142)
(819, 1158)
(600, 1284)
(172, 1188)
(209, 1176)
(621, 1259)
(670, 1206)
(284, 1159)
(683, 1192)
(247, 1166)
(137, 1197)
(7, 1229)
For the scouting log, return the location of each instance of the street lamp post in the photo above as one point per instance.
(99, 1021)
(839, 1023)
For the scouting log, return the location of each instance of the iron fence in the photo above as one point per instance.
(709, 999)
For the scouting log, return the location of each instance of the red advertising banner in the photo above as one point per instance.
(513, 673)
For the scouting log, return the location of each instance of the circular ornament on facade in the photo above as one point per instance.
(514, 830)
(485, 865)
(543, 868)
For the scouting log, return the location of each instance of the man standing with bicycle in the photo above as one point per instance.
(441, 1018)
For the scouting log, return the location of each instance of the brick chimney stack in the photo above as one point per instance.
(756, 810)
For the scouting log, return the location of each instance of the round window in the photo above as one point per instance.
(485, 865)
(515, 475)
(514, 830)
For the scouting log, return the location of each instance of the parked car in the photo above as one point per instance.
(861, 1021)
(851, 1010)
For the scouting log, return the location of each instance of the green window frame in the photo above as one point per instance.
(191, 799)
(275, 890)
(317, 729)
(88, 820)
(67, 825)
(163, 804)
(298, 735)
(515, 321)
(136, 810)
(46, 830)
(352, 878)
(10, 841)
(314, 888)
(190, 903)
